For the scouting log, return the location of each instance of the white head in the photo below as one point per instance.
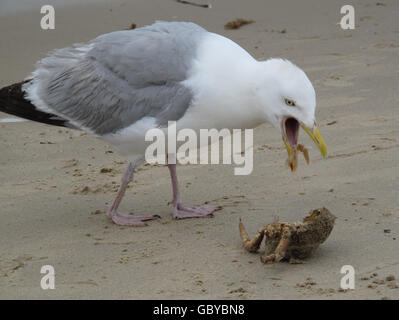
(289, 101)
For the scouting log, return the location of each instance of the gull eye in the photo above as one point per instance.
(290, 102)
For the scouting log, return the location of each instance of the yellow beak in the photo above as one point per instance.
(317, 138)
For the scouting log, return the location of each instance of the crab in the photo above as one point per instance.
(291, 241)
(292, 160)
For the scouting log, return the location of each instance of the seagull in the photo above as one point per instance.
(124, 83)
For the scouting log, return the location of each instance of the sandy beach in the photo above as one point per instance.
(56, 183)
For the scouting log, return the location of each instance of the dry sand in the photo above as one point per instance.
(53, 194)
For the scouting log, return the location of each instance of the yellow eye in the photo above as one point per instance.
(290, 102)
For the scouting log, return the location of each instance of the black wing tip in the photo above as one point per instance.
(12, 101)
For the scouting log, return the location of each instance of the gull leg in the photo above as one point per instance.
(126, 219)
(181, 211)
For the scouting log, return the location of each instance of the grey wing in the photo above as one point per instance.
(119, 78)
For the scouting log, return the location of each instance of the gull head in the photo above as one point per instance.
(288, 100)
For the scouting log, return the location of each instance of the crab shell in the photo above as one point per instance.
(306, 236)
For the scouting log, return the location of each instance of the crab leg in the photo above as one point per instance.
(279, 253)
(305, 152)
(254, 244)
(292, 160)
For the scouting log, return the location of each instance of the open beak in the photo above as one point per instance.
(290, 129)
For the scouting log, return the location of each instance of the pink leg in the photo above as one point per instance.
(181, 211)
(126, 219)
